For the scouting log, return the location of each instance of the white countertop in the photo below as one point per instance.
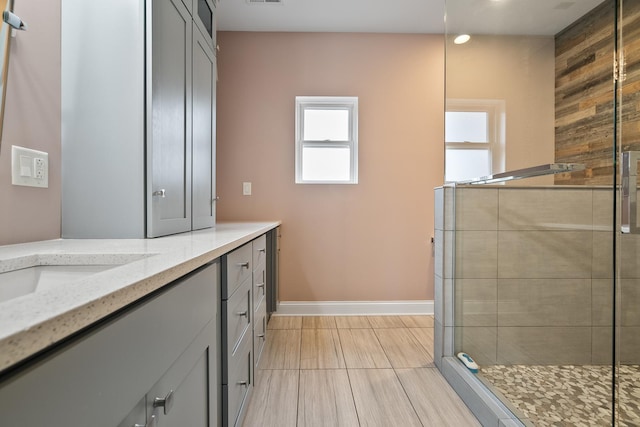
(35, 321)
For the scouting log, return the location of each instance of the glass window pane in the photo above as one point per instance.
(206, 16)
(466, 164)
(326, 163)
(466, 126)
(326, 125)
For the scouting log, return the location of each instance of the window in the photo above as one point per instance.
(474, 138)
(326, 140)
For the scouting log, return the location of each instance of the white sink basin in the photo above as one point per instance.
(36, 279)
(38, 273)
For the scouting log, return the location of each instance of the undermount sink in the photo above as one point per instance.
(44, 272)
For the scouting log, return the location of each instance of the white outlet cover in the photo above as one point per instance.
(29, 168)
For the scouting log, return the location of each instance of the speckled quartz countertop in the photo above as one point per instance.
(37, 320)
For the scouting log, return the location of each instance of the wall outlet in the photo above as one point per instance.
(246, 188)
(29, 168)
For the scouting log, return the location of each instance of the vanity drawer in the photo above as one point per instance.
(259, 286)
(236, 313)
(239, 382)
(237, 268)
(259, 333)
(259, 250)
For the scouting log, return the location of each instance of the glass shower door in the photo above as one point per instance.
(539, 265)
(627, 247)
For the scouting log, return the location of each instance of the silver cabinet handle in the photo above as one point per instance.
(242, 313)
(261, 336)
(244, 383)
(162, 193)
(243, 264)
(215, 199)
(259, 285)
(629, 220)
(263, 250)
(166, 403)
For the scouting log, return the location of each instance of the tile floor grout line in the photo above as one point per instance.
(429, 352)
(396, 374)
(298, 394)
(353, 398)
(407, 394)
(382, 347)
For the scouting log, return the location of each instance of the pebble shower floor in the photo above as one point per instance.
(568, 395)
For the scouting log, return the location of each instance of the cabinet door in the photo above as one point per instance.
(182, 396)
(204, 17)
(204, 132)
(168, 118)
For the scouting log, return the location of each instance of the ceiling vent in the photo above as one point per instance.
(264, 1)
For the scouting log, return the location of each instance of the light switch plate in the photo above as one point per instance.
(29, 167)
(246, 188)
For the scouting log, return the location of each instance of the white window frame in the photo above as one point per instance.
(495, 109)
(327, 102)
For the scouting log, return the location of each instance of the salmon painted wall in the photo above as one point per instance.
(32, 120)
(364, 242)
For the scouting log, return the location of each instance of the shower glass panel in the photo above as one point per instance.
(539, 285)
(627, 297)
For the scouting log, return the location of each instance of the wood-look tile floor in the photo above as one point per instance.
(352, 371)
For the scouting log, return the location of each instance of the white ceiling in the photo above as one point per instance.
(540, 17)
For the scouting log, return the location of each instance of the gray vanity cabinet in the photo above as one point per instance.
(237, 334)
(154, 364)
(259, 290)
(244, 325)
(138, 117)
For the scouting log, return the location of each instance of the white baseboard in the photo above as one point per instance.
(353, 308)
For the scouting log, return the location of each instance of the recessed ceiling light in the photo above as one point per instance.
(462, 38)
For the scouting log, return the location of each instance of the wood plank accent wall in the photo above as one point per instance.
(584, 93)
(584, 97)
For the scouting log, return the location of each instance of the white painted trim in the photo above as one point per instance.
(353, 308)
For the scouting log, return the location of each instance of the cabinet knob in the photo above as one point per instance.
(215, 199)
(166, 403)
(241, 313)
(161, 193)
(243, 264)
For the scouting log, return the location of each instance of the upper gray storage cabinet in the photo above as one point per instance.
(138, 117)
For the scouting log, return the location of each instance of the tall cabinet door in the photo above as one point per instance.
(168, 97)
(204, 132)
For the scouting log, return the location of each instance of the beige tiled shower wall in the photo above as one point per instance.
(528, 273)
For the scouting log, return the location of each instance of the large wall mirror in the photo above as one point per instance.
(5, 32)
